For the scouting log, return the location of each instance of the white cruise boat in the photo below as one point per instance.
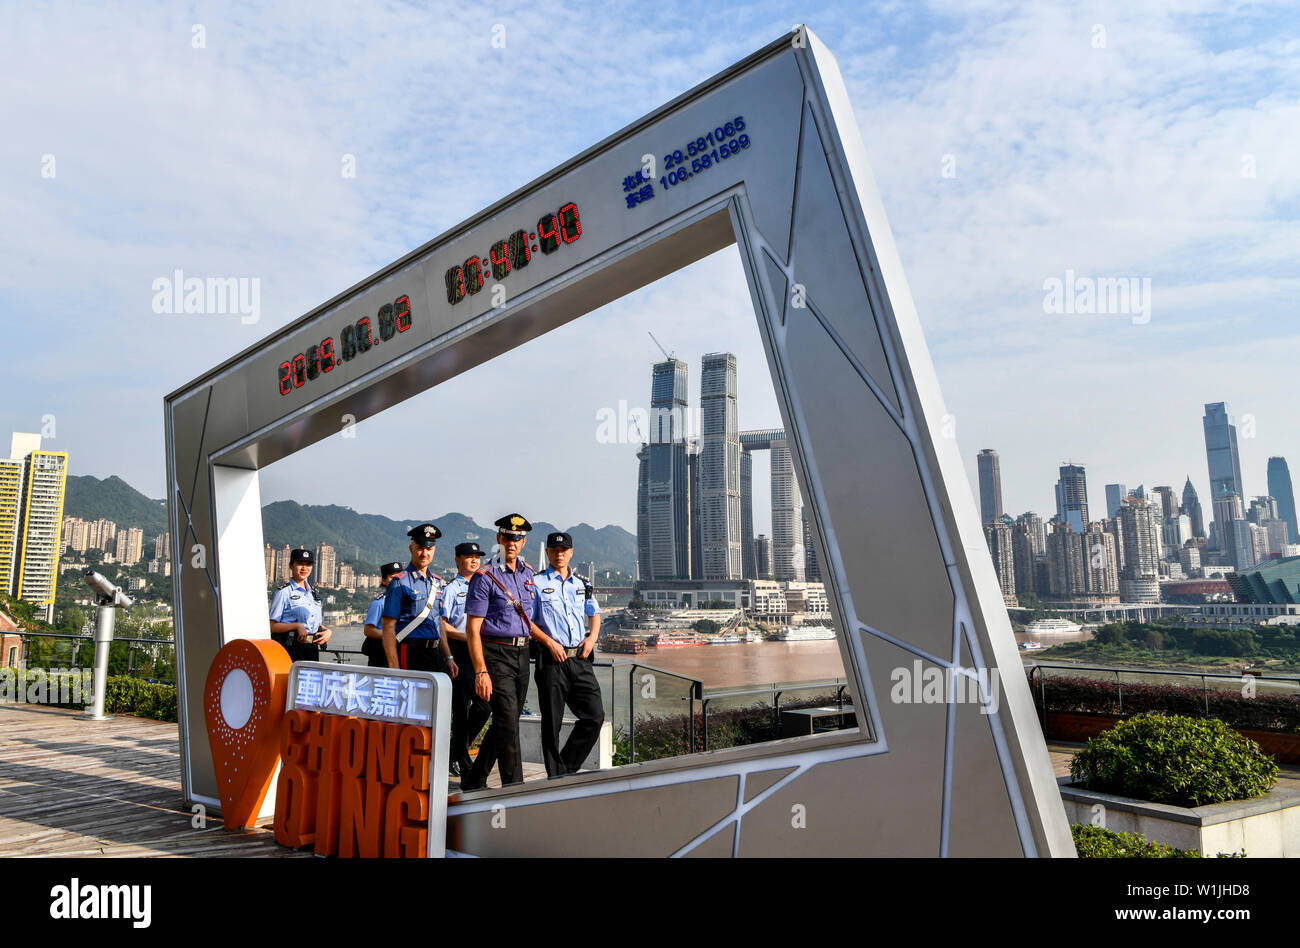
(806, 633)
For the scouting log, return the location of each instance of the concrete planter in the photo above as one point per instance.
(1267, 826)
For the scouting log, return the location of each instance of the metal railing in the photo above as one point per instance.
(1039, 674)
(776, 690)
(620, 686)
(77, 657)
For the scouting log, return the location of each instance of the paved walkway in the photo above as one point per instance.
(78, 788)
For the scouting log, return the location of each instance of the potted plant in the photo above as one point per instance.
(1191, 783)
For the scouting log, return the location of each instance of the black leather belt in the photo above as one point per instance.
(518, 641)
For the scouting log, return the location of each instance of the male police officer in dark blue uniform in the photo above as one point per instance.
(411, 610)
(469, 712)
(296, 612)
(567, 611)
(499, 609)
(372, 646)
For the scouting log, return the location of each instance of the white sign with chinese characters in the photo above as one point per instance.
(397, 695)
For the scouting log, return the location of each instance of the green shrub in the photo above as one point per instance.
(1175, 760)
(141, 698)
(1093, 842)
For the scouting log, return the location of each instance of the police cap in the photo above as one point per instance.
(513, 526)
(425, 535)
(469, 548)
(561, 540)
(301, 556)
(388, 569)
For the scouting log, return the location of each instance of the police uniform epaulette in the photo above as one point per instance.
(397, 575)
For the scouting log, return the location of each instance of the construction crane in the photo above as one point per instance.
(667, 354)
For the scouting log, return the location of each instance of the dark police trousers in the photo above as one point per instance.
(469, 712)
(571, 682)
(507, 666)
(373, 649)
(298, 651)
(420, 655)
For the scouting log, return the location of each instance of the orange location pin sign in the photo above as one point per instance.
(243, 703)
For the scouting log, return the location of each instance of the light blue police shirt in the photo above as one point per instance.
(375, 614)
(294, 603)
(452, 607)
(561, 607)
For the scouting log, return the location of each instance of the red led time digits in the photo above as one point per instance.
(514, 253)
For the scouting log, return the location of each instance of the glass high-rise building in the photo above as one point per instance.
(990, 474)
(1192, 507)
(1221, 454)
(1115, 494)
(664, 483)
(720, 469)
(1280, 489)
(1072, 497)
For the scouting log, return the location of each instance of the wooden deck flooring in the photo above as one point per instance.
(109, 788)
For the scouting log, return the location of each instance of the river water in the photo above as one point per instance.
(718, 666)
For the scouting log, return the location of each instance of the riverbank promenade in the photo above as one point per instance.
(113, 788)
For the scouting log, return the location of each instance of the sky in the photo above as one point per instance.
(1012, 144)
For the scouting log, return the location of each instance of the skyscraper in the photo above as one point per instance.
(1022, 555)
(1101, 576)
(1037, 532)
(1066, 563)
(1227, 511)
(763, 556)
(1115, 494)
(1168, 506)
(34, 562)
(719, 468)
(812, 571)
(998, 537)
(1279, 486)
(326, 572)
(1221, 455)
(787, 520)
(1072, 497)
(1140, 528)
(990, 475)
(1192, 507)
(748, 561)
(664, 483)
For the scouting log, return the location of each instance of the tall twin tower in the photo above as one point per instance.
(694, 505)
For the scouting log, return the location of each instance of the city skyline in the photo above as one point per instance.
(982, 201)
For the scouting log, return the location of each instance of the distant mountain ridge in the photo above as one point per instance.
(114, 499)
(366, 539)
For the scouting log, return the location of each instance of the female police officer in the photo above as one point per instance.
(296, 612)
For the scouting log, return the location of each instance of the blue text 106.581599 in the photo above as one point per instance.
(355, 338)
(514, 253)
(707, 151)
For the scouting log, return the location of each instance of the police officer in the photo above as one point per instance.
(372, 646)
(499, 626)
(296, 612)
(469, 712)
(566, 609)
(411, 610)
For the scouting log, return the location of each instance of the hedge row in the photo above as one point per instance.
(1093, 842)
(1262, 712)
(122, 695)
